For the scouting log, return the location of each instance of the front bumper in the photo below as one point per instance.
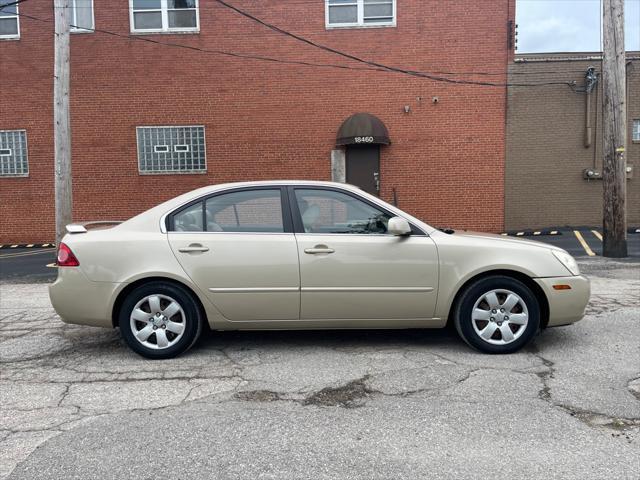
(79, 300)
(566, 306)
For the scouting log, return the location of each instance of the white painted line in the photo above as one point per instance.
(14, 246)
(519, 234)
(537, 233)
(52, 265)
(597, 234)
(30, 245)
(553, 232)
(584, 244)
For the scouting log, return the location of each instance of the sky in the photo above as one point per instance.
(569, 25)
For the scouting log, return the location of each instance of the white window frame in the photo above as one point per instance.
(17, 17)
(360, 23)
(635, 130)
(164, 10)
(200, 171)
(74, 19)
(25, 149)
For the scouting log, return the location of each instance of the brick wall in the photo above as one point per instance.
(546, 154)
(263, 120)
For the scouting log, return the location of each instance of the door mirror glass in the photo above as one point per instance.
(399, 226)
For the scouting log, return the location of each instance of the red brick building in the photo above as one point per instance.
(256, 119)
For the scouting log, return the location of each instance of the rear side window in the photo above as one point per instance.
(189, 219)
(245, 211)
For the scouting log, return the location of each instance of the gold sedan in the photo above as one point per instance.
(306, 255)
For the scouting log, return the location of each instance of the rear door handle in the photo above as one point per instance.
(318, 249)
(194, 248)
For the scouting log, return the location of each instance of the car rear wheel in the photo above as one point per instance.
(497, 314)
(160, 320)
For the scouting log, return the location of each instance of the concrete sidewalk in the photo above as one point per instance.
(76, 403)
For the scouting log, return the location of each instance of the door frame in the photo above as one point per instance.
(298, 226)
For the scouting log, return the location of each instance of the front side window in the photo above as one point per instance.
(149, 16)
(360, 13)
(329, 211)
(171, 150)
(9, 22)
(13, 153)
(636, 131)
(82, 16)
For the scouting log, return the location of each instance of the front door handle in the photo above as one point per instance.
(194, 248)
(318, 249)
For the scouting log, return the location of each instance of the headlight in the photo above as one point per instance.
(567, 260)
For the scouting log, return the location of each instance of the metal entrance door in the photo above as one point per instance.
(363, 167)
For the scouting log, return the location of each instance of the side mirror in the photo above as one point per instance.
(398, 226)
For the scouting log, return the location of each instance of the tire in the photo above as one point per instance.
(160, 320)
(484, 321)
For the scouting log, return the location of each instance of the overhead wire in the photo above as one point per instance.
(370, 65)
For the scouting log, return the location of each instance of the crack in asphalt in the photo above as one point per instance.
(68, 346)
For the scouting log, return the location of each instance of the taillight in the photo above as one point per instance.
(66, 258)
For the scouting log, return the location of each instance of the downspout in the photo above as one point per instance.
(591, 78)
(588, 131)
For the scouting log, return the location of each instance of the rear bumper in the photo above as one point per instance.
(566, 306)
(79, 300)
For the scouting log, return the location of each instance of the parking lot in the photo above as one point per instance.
(75, 402)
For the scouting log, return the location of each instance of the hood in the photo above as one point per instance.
(504, 238)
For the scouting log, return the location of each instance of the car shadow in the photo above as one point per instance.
(333, 338)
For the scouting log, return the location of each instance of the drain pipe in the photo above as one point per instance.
(591, 78)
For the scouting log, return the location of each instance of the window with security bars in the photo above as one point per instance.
(636, 131)
(360, 13)
(171, 149)
(13, 153)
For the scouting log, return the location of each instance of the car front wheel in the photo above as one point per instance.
(497, 314)
(160, 320)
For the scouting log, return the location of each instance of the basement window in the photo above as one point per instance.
(164, 16)
(82, 16)
(636, 131)
(360, 13)
(171, 150)
(13, 153)
(9, 21)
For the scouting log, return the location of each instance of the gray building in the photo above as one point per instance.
(554, 142)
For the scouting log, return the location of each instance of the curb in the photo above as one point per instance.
(27, 245)
(531, 233)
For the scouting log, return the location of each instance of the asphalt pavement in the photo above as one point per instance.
(75, 403)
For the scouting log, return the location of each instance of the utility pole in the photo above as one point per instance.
(615, 131)
(61, 125)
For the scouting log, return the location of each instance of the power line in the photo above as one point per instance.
(371, 66)
(376, 64)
